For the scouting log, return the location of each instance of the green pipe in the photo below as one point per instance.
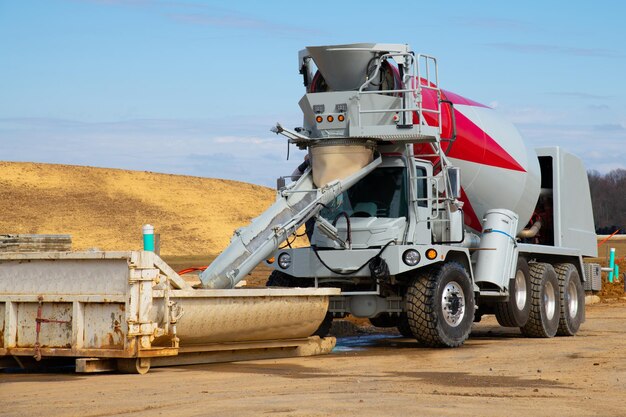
(148, 238)
(612, 264)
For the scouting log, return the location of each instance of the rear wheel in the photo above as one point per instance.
(515, 311)
(440, 306)
(572, 297)
(543, 320)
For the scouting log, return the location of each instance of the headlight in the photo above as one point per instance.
(284, 260)
(411, 257)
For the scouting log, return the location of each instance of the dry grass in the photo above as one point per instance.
(105, 208)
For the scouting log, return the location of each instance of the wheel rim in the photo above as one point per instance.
(549, 300)
(453, 304)
(572, 301)
(520, 290)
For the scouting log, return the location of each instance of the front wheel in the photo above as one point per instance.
(440, 306)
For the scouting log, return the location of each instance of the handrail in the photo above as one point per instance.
(411, 96)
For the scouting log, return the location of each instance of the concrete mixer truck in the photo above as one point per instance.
(425, 208)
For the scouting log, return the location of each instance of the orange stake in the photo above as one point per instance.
(605, 239)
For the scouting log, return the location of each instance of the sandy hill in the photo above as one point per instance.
(105, 208)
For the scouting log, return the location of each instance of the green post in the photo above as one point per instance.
(612, 264)
(148, 237)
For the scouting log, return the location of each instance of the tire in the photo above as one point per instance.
(545, 307)
(440, 306)
(403, 326)
(385, 320)
(279, 279)
(139, 366)
(572, 297)
(515, 311)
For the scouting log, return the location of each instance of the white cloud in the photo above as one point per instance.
(600, 150)
(200, 14)
(197, 148)
(240, 140)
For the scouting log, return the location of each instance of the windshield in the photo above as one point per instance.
(380, 194)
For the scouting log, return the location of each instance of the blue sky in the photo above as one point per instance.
(192, 87)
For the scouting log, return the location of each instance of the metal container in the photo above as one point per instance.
(133, 305)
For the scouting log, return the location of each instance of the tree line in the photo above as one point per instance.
(608, 198)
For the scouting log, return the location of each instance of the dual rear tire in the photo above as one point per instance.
(545, 302)
(557, 301)
(572, 297)
(515, 311)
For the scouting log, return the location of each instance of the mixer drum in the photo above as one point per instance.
(497, 169)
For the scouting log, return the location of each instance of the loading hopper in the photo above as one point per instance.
(344, 67)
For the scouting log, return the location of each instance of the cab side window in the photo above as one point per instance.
(421, 186)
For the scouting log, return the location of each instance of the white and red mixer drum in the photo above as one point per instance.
(498, 170)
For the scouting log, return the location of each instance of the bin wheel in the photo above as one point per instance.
(139, 366)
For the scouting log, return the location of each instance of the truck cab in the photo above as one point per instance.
(378, 209)
(375, 238)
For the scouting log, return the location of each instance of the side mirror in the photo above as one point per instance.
(454, 178)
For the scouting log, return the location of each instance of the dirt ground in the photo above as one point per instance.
(496, 373)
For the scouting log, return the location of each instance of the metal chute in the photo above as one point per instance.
(294, 206)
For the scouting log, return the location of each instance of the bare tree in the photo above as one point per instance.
(608, 198)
